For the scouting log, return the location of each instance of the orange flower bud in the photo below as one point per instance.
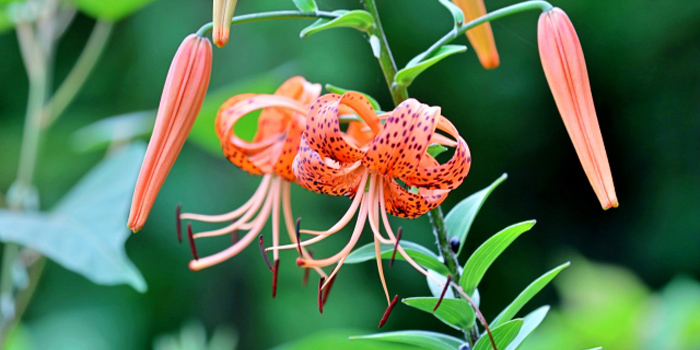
(183, 94)
(481, 37)
(223, 13)
(565, 69)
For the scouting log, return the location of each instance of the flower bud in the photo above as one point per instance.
(565, 69)
(223, 13)
(183, 94)
(481, 37)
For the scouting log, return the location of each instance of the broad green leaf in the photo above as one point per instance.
(337, 339)
(528, 293)
(87, 230)
(306, 5)
(358, 19)
(530, 322)
(459, 220)
(338, 90)
(423, 339)
(118, 129)
(487, 253)
(502, 335)
(422, 255)
(456, 12)
(112, 10)
(436, 149)
(408, 74)
(456, 313)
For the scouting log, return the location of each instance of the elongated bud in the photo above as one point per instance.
(183, 94)
(481, 37)
(565, 68)
(223, 13)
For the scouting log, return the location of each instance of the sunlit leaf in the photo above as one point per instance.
(528, 293)
(530, 322)
(306, 5)
(502, 335)
(459, 220)
(338, 90)
(422, 255)
(487, 253)
(456, 313)
(405, 76)
(87, 230)
(358, 19)
(456, 12)
(423, 339)
(110, 9)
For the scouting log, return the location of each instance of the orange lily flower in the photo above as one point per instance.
(367, 169)
(565, 69)
(481, 37)
(223, 13)
(183, 95)
(270, 154)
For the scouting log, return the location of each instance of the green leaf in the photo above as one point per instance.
(408, 74)
(423, 339)
(87, 230)
(436, 149)
(112, 10)
(338, 90)
(485, 255)
(459, 220)
(306, 5)
(436, 289)
(456, 12)
(528, 293)
(117, 129)
(358, 19)
(502, 335)
(530, 322)
(422, 255)
(456, 313)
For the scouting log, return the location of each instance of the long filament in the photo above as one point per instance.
(234, 214)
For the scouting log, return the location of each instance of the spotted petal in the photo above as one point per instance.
(324, 175)
(409, 204)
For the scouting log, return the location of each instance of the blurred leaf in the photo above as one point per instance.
(502, 335)
(459, 220)
(306, 5)
(427, 340)
(408, 74)
(422, 255)
(435, 149)
(86, 231)
(530, 322)
(676, 323)
(117, 129)
(487, 253)
(358, 19)
(193, 335)
(456, 313)
(456, 12)
(112, 10)
(527, 294)
(339, 340)
(338, 90)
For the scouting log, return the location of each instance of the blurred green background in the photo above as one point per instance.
(643, 64)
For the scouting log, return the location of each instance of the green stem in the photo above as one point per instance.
(492, 16)
(264, 16)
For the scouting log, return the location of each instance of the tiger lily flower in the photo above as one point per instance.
(565, 69)
(223, 13)
(270, 154)
(183, 95)
(481, 37)
(369, 171)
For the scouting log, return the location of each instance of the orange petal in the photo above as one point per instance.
(323, 175)
(481, 37)
(565, 69)
(183, 94)
(223, 13)
(405, 204)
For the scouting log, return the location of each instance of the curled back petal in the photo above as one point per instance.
(407, 204)
(323, 175)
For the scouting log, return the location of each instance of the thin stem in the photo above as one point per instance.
(264, 16)
(79, 73)
(459, 31)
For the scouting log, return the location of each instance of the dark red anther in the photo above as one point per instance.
(275, 271)
(319, 297)
(444, 290)
(234, 237)
(388, 311)
(305, 281)
(191, 236)
(327, 290)
(298, 233)
(178, 222)
(396, 246)
(264, 254)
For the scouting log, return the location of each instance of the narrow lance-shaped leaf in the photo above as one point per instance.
(422, 255)
(530, 323)
(358, 19)
(415, 67)
(422, 339)
(459, 220)
(456, 313)
(487, 253)
(502, 336)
